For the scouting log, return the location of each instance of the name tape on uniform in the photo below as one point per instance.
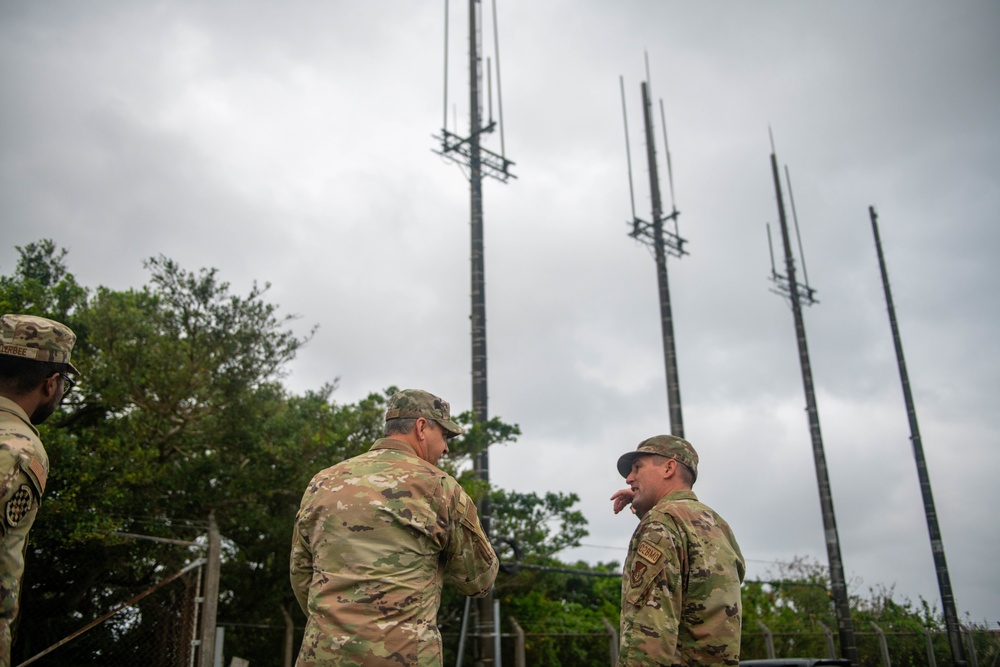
(649, 552)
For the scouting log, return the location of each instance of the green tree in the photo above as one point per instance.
(41, 285)
(794, 603)
(538, 527)
(180, 413)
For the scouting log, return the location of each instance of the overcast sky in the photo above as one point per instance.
(291, 143)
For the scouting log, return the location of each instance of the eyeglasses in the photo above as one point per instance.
(69, 383)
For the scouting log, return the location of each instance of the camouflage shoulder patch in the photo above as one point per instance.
(649, 552)
(18, 506)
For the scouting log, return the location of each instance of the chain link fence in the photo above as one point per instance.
(154, 621)
(105, 619)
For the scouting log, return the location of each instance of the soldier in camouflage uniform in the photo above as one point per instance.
(34, 362)
(681, 581)
(375, 538)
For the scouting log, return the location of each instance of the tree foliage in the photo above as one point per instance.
(41, 284)
(180, 414)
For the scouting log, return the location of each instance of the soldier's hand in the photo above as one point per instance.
(621, 498)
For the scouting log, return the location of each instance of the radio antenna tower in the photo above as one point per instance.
(476, 162)
(787, 285)
(662, 236)
(937, 544)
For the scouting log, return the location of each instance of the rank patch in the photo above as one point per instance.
(638, 568)
(649, 552)
(18, 506)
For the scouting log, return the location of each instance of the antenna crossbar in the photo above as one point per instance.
(458, 149)
(782, 287)
(645, 231)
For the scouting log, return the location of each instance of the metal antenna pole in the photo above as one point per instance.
(662, 241)
(795, 219)
(666, 313)
(479, 392)
(666, 150)
(838, 583)
(937, 545)
(444, 122)
(628, 151)
(496, 51)
(469, 153)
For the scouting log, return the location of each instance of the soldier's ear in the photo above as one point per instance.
(50, 386)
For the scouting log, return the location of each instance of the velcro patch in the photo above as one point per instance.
(638, 569)
(36, 467)
(649, 552)
(18, 506)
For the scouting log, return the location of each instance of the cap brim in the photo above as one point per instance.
(450, 426)
(625, 462)
(72, 369)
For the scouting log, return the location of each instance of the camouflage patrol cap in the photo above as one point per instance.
(414, 403)
(38, 338)
(670, 446)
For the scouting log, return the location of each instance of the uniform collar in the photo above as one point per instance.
(397, 445)
(7, 405)
(680, 494)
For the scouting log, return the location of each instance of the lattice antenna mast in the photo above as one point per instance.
(661, 235)
(470, 155)
(782, 283)
(787, 286)
(952, 625)
(457, 148)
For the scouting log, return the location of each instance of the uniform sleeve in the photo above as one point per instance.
(20, 495)
(652, 595)
(300, 566)
(471, 564)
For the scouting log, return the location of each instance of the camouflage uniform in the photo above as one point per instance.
(681, 587)
(375, 538)
(24, 465)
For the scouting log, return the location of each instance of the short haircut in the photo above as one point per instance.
(20, 376)
(399, 426)
(686, 474)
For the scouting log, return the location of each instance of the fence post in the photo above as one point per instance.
(973, 658)
(882, 645)
(613, 641)
(462, 632)
(220, 641)
(496, 633)
(286, 660)
(210, 606)
(931, 660)
(518, 642)
(768, 639)
(831, 650)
